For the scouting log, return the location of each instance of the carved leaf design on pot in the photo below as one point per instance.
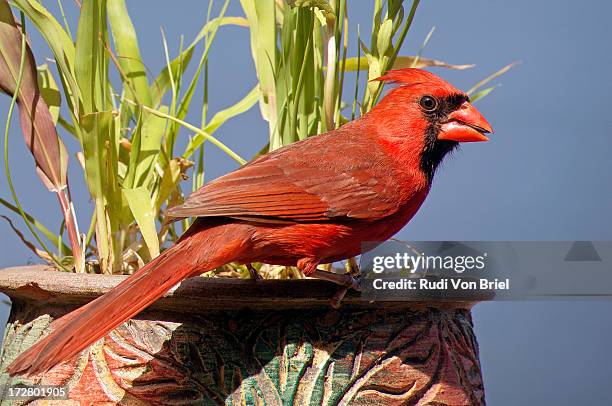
(322, 357)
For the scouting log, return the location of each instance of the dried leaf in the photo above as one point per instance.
(404, 62)
(320, 4)
(170, 181)
(59, 42)
(42, 254)
(38, 225)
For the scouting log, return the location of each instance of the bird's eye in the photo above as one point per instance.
(428, 103)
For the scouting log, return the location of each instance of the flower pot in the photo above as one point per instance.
(236, 342)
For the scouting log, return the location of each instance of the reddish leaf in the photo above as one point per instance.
(36, 122)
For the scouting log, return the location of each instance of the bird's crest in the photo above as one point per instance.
(413, 77)
(408, 76)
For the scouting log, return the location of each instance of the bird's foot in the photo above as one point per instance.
(255, 276)
(352, 269)
(346, 281)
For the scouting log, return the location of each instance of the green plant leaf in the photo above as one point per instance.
(188, 95)
(152, 134)
(481, 94)
(133, 146)
(491, 77)
(240, 107)
(139, 200)
(196, 130)
(221, 117)
(179, 64)
(49, 91)
(91, 61)
(169, 182)
(261, 16)
(97, 129)
(384, 37)
(128, 52)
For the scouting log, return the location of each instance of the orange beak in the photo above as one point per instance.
(465, 124)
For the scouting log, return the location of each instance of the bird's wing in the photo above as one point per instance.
(313, 180)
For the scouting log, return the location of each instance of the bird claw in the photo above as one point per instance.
(356, 283)
(346, 282)
(336, 299)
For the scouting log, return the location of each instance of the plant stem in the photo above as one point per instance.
(330, 76)
(72, 228)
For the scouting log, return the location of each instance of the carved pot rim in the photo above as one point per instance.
(41, 285)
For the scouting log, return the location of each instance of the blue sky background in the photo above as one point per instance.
(545, 175)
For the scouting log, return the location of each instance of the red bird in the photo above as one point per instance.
(308, 203)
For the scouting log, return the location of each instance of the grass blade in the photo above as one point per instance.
(261, 16)
(153, 128)
(196, 130)
(90, 56)
(178, 65)
(35, 223)
(480, 94)
(49, 91)
(139, 200)
(491, 77)
(97, 128)
(221, 117)
(40, 253)
(128, 52)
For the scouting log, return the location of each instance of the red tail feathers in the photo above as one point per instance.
(196, 252)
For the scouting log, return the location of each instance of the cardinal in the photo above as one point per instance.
(309, 203)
